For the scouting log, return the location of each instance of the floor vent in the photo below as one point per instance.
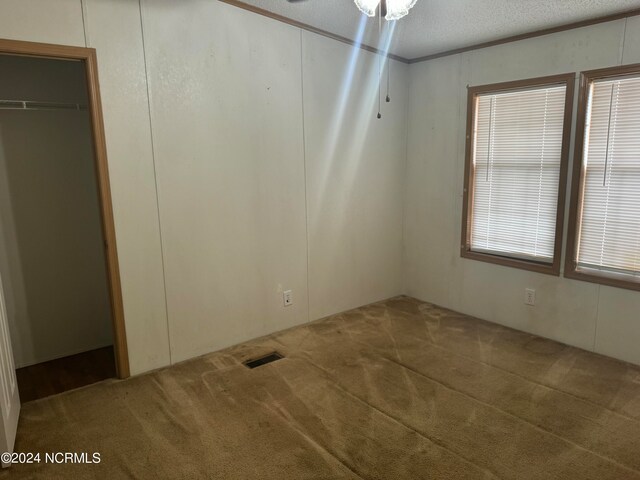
(258, 362)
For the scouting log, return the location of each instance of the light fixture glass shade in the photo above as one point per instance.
(368, 7)
(397, 9)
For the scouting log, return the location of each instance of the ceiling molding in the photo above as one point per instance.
(319, 31)
(524, 36)
(477, 46)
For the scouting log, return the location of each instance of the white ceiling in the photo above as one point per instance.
(435, 26)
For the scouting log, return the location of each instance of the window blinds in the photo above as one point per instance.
(517, 159)
(610, 225)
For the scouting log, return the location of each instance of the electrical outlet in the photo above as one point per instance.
(287, 297)
(529, 296)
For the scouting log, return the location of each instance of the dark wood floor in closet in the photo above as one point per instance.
(57, 376)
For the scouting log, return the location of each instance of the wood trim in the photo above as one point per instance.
(513, 38)
(310, 28)
(603, 279)
(577, 180)
(89, 57)
(455, 51)
(467, 205)
(525, 36)
(45, 50)
(108, 223)
(532, 266)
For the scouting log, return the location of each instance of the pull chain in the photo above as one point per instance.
(388, 79)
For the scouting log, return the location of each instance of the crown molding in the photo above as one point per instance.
(309, 28)
(524, 36)
(455, 51)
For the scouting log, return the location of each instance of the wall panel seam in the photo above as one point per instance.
(595, 329)
(624, 40)
(83, 10)
(304, 163)
(404, 287)
(155, 178)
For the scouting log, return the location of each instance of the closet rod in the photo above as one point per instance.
(32, 105)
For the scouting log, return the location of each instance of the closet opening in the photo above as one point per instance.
(60, 284)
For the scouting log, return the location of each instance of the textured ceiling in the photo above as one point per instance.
(435, 26)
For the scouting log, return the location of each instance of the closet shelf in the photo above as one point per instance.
(33, 105)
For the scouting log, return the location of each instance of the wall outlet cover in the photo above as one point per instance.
(529, 296)
(287, 297)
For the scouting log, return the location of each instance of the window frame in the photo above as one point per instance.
(567, 79)
(571, 269)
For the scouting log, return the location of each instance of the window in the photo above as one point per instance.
(515, 172)
(604, 237)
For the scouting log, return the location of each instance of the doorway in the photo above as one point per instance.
(58, 258)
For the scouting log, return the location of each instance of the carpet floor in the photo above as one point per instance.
(400, 389)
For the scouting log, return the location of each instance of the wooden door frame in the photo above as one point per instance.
(89, 58)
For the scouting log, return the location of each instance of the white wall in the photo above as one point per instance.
(222, 198)
(226, 105)
(222, 140)
(602, 319)
(51, 249)
(355, 176)
(241, 109)
(113, 28)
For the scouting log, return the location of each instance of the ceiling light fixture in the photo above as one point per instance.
(389, 9)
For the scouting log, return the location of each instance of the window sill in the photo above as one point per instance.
(608, 279)
(546, 268)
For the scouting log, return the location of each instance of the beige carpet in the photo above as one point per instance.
(395, 390)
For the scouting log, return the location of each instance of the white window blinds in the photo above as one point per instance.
(517, 158)
(610, 225)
